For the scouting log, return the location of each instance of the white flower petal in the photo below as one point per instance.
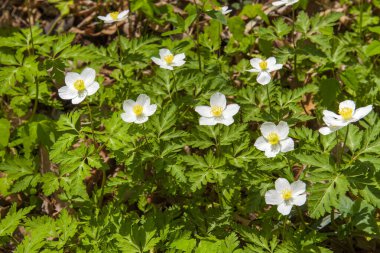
(262, 144)
(287, 145)
(158, 61)
(218, 99)
(267, 128)
(282, 130)
(282, 184)
(272, 197)
(165, 66)
(271, 61)
(81, 96)
(203, 121)
(128, 117)
(362, 112)
(179, 57)
(122, 15)
(231, 110)
(278, 3)
(141, 119)
(275, 67)
(291, 2)
(255, 63)
(331, 114)
(92, 89)
(254, 70)
(66, 92)
(284, 209)
(226, 121)
(149, 110)
(143, 100)
(263, 78)
(164, 52)
(88, 76)
(204, 111)
(347, 104)
(272, 151)
(178, 63)
(298, 188)
(299, 200)
(328, 130)
(70, 79)
(332, 122)
(128, 105)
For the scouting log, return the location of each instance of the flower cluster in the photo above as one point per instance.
(274, 137)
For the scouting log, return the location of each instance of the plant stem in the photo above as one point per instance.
(294, 47)
(301, 217)
(197, 33)
(270, 107)
(340, 156)
(92, 122)
(33, 51)
(120, 51)
(175, 83)
(104, 176)
(360, 18)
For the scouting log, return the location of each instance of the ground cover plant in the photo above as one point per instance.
(189, 126)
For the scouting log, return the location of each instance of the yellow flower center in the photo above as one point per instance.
(137, 109)
(286, 194)
(169, 58)
(114, 15)
(263, 65)
(273, 138)
(346, 113)
(79, 85)
(216, 111)
(217, 8)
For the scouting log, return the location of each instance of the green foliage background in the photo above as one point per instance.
(172, 185)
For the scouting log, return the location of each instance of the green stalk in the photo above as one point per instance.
(301, 217)
(120, 51)
(104, 176)
(175, 83)
(32, 53)
(294, 47)
(360, 18)
(197, 33)
(269, 102)
(92, 122)
(344, 144)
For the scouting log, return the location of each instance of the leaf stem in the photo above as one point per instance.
(361, 18)
(269, 102)
(120, 51)
(175, 83)
(294, 47)
(92, 122)
(104, 176)
(197, 33)
(32, 53)
(301, 217)
(344, 144)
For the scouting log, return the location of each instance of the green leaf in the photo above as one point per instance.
(372, 49)
(5, 127)
(12, 219)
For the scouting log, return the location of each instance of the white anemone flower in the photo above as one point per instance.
(284, 2)
(286, 195)
(347, 114)
(167, 60)
(224, 10)
(78, 86)
(275, 139)
(114, 16)
(218, 112)
(139, 111)
(264, 68)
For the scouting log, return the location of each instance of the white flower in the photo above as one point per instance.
(347, 114)
(78, 86)
(264, 67)
(285, 2)
(168, 60)
(286, 195)
(218, 112)
(114, 16)
(224, 10)
(139, 111)
(275, 139)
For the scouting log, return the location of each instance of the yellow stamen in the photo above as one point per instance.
(346, 113)
(114, 15)
(79, 85)
(217, 8)
(263, 65)
(137, 109)
(286, 194)
(169, 58)
(273, 138)
(216, 111)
